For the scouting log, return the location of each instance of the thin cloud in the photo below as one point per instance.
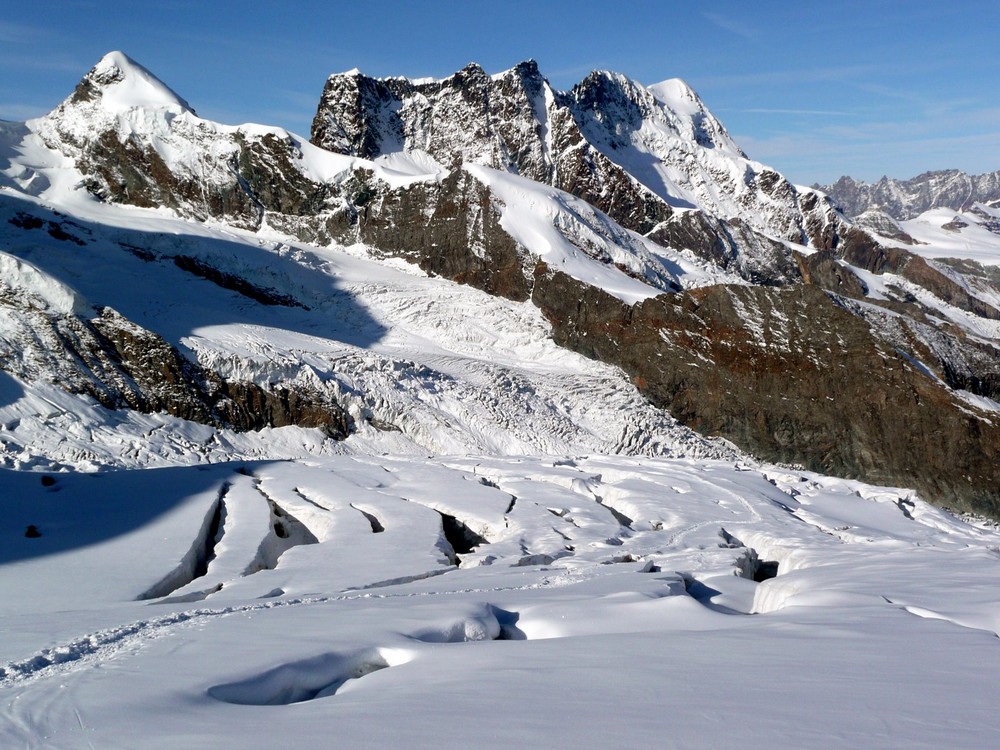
(790, 75)
(304, 100)
(18, 112)
(768, 111)
(18, 33)
(34, 61)
(728, 24)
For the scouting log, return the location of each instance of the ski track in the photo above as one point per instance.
(103, 645)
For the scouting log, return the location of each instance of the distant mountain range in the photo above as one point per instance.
(906, 199)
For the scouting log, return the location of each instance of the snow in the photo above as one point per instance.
(522, 552)
(24, 279)
(571, 236)
(980, 402)
(879, 629)
(136, 88)
(683, 154)
(968, 239)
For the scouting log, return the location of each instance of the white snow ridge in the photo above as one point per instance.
(511, 547)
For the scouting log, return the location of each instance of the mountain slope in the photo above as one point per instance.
(463, 178)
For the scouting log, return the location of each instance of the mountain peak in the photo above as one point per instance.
(678, 95)
(119, 84)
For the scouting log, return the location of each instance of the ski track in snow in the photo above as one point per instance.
(99, 647)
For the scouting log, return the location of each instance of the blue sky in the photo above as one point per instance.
(815, 89)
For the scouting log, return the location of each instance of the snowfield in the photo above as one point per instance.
(562, 602)
(512, 549)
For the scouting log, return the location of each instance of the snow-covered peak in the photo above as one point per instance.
(678, 97)
(528, 68)
(677, 94)
(116, 100)
(121, 84)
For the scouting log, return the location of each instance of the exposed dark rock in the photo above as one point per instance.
(701, 234)
(987, 277)
(131, 171)
(26, 221)
(268, 174)
(790, 376)
(451, 229)
(122, 365)
(860, 249)
(923, 273)
(239, 178)
(234, 283)
(962, 361)
(823, 270)
(354, 114)
(247, 406)
(170, 383)
(55, 230)
(884, 225)
(731, 245)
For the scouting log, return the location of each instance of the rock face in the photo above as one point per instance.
(906, 199)
(595, 142)
(450, 229)
(789, 375)
(122, 365)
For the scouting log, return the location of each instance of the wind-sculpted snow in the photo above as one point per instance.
(634, 579)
